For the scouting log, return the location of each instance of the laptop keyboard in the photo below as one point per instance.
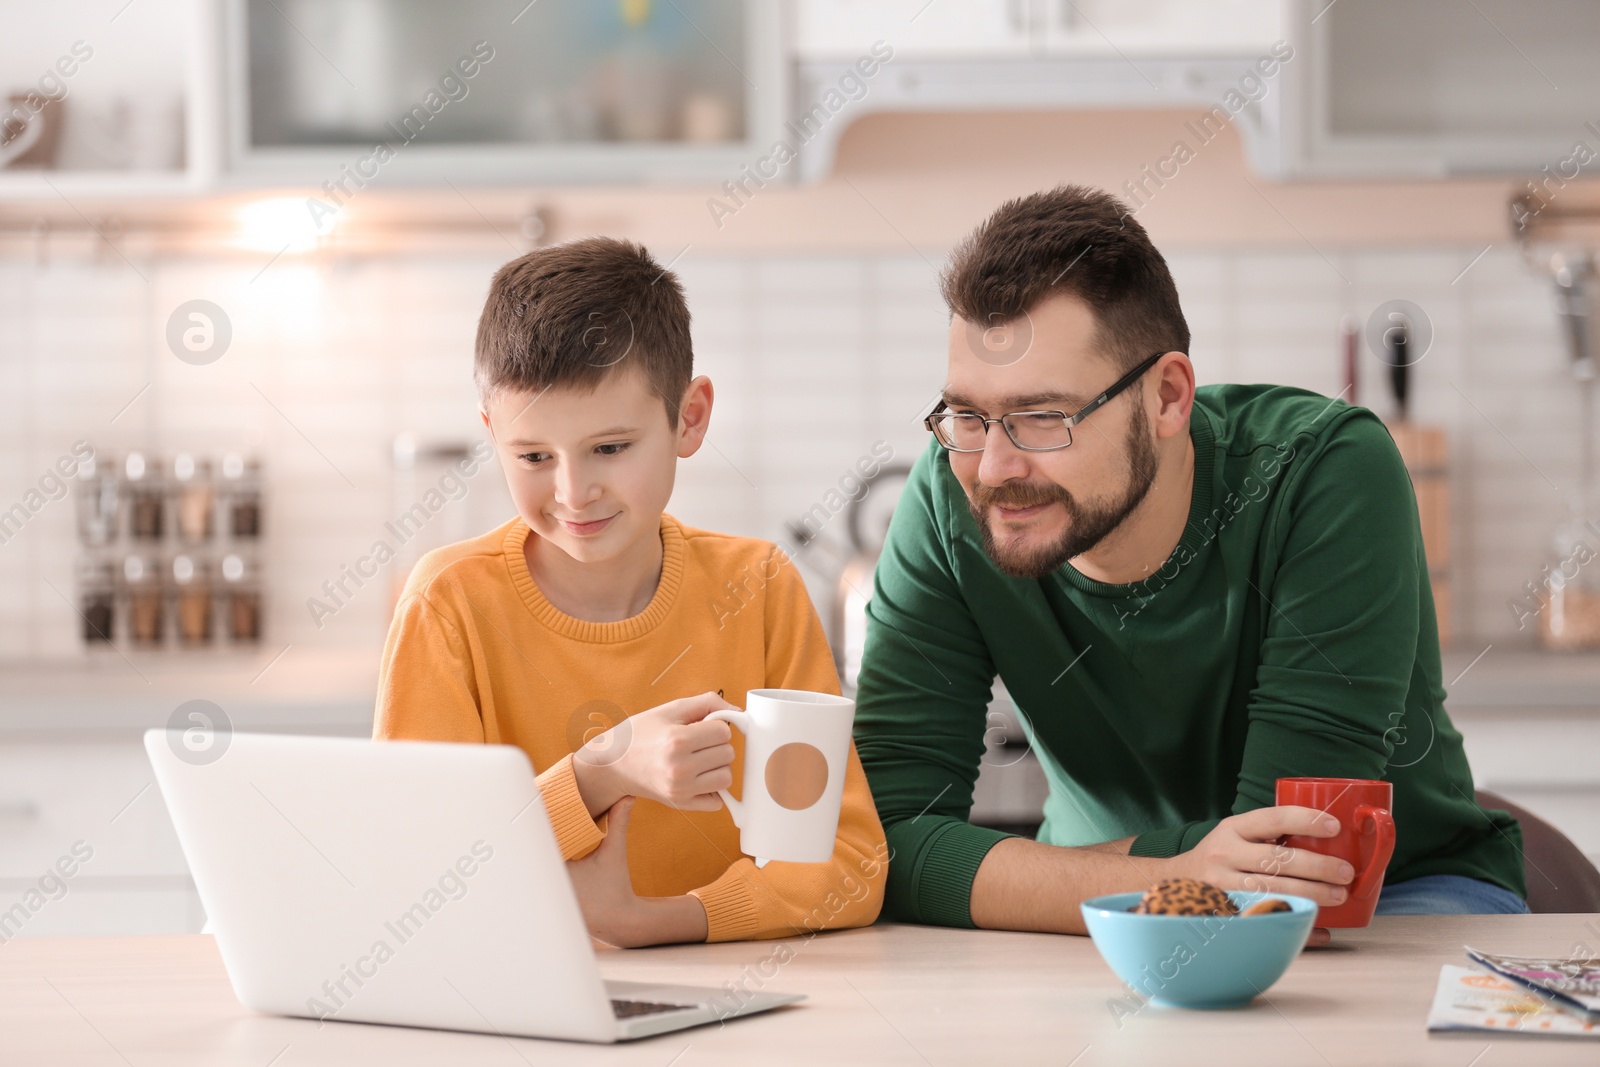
(632, 1009)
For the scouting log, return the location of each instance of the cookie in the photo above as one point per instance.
(1185, 896)
(1267, 907)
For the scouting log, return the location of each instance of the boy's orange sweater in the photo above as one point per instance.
(476, 653)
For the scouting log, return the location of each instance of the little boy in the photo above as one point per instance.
(595, 632)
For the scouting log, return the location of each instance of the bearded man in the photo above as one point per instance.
(1188, 593)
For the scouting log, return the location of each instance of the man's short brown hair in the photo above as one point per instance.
(571, 314)
(1074, 240)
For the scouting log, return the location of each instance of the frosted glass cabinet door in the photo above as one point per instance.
(487, 90)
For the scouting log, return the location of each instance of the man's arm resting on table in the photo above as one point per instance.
(1027, 885)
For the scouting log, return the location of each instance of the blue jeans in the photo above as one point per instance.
(1448, 894)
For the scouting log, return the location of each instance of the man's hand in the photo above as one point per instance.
(613, 912)
(666, 754)
(1243, 853)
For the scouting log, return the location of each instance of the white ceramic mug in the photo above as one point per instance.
(796, 749)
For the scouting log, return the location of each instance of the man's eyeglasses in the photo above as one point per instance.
(1031, 431)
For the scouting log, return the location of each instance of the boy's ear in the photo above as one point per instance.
(484, 415)
(694, 416)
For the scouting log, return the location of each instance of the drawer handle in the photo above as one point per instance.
(18, 811)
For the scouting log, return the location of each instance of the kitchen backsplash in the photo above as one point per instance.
(815, 361)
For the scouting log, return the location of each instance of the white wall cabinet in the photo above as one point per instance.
(971, 29)
(1042, 54)
(1157, 27)
(1000, 29)
(133, 102)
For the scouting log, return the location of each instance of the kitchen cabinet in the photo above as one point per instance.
(917, 28)
(73, 773)
(104, 102)
(1045, 54)
(1530, 722)
(1000, 29)
(1157, 27)
(1436, 87)
(189, 96)
(1089, 82)
(86, 844)
(343, 93)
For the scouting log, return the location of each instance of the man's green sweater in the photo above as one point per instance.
(1291, 633)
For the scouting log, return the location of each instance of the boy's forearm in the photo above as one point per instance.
(597, 784)
(1026, 885)
(669, 921)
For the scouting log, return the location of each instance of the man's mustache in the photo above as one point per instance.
(1018, 495)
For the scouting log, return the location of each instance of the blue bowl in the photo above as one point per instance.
(1199, 962)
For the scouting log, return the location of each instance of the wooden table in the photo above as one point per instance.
(886, 995)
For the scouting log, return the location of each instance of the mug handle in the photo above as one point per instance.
(740, 720)
(1371, 875)
(23, 140)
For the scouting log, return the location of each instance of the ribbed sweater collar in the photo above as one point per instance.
(558, 621)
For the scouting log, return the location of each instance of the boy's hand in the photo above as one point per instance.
(666, 754)
(1244, 852)
(613, 912)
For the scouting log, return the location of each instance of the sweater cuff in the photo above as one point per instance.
(1171, 840)
(946, 870)
(730, 912)
(576, 833)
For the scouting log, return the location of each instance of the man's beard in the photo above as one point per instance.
(1086, 527)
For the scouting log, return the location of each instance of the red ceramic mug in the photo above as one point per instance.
(1365, 839)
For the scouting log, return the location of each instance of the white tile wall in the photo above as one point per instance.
(814, 358)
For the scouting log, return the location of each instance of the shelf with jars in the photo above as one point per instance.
(170, 553)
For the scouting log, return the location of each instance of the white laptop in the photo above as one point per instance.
(402, 882)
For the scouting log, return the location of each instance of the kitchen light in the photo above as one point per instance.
(282, 224)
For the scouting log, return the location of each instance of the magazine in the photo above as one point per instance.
(1574, 982)
(1469, 999)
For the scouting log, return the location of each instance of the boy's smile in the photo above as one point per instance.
(590, 472)
(587, 528)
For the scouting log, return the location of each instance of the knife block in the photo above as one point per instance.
(1425, 451)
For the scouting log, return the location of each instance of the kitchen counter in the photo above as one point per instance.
(1508, 676)
(288, 690)
(310, 690)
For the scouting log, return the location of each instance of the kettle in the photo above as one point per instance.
(867, 518)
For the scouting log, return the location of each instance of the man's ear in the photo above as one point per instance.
(694, 416)
(484, 415)
(1174, 394)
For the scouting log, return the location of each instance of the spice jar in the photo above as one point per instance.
(97, 600)
(193, 498)
(145, 506)
(97, 501)
(141, 580)
(241, 596)
(241, 477)
(192, 599)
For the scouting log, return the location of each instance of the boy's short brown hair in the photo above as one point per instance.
(571, 314)
(1077, 240)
